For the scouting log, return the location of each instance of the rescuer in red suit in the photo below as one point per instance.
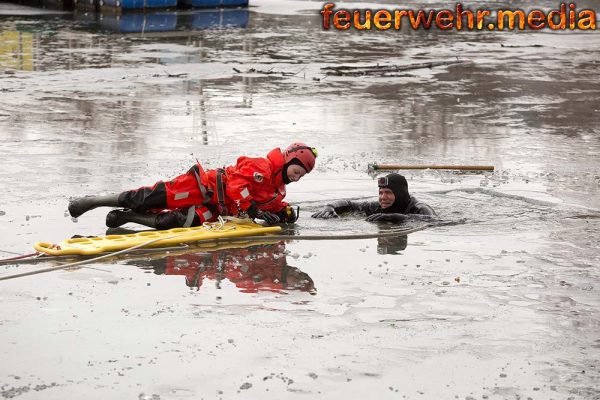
(252, 269)
(254, 186)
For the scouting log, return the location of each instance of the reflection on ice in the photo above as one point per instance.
(391, 245)
(251, 268)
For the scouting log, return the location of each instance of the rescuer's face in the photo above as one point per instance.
(295, 172)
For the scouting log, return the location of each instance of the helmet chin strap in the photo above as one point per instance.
(284, 176)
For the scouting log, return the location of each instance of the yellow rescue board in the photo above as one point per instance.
(171, 237)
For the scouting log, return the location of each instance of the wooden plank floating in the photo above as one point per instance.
(387, 70)
(393, 167)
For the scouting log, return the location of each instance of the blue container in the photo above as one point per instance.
(235, 3)
(132, 4)
(236, 18)
(134, 23)
(215, 3)
(220, 19)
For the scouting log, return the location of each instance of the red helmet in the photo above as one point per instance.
(300, 151)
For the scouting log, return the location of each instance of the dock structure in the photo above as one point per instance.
(167, 23)
(122, 5)
(148, 4)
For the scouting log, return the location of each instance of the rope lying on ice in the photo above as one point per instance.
(39, 256)
(399, 232)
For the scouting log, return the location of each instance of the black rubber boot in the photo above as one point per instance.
(81, 205)
(116, 218)
(163, 220)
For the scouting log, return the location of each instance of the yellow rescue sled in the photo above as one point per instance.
(171, 237)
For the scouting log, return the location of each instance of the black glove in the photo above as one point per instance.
(254, 212)
(327, 212)
(392, 217)
(288, 215)
(268, 217)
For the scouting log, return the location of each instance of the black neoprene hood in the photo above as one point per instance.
(399, 186)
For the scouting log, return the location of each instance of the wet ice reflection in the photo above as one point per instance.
(251, 268)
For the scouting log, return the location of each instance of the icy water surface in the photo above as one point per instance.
(498, 301)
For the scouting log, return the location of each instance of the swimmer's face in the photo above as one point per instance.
(386, 197)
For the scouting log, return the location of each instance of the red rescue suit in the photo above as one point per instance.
(197, 192)
(259, 180)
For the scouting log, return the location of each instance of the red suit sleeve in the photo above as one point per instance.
(243, 181)
(276, 205)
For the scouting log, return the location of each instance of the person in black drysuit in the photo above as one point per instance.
(394, 204)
